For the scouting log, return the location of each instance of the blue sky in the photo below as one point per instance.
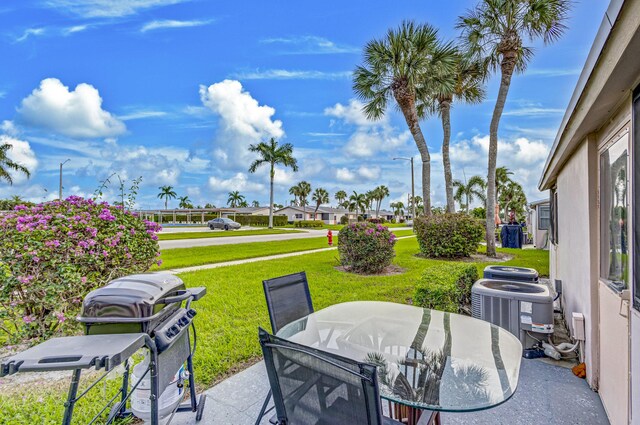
(175, 90)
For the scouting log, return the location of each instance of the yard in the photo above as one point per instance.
(221, 234)
(229, 316)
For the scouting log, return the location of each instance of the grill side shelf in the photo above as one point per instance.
(75, 352)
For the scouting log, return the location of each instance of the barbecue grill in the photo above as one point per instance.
(129, 313)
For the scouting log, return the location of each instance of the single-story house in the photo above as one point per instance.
(593, 172)
(387, 215)
(327, 214)
(232, 212)
(538, 222)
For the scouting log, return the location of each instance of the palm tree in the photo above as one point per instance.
(512, 196)
(185, 202)
(502, 180)
(419, 205)
(243, 204)
(320, 196)
(234, 199)
(341, 197)
(397, 208)
(369, 197)
(272, 154)
(304, 189)
(255, 204)
(404, 66)
(7, 164)
(358, 201)
(380, 193)
(295, 191)
(464, 85)
(167, 193)
(493, 32)
(469, 191)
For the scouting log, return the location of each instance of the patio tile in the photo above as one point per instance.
(546, 394)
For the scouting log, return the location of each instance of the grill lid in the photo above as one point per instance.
(136, 296)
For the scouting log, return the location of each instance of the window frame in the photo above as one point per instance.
(548, 218)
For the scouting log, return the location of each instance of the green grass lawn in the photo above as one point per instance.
(221, 233)
(187, 257)
(229, 315)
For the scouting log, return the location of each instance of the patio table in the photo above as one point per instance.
(427, 359)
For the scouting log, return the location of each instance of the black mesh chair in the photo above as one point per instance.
(288, 299)
(300, 398)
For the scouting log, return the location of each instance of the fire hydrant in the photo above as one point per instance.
(330, 237)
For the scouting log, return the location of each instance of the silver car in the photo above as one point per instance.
(223, 223)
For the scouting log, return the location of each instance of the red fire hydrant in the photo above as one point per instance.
(330, 237)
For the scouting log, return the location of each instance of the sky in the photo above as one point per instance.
(174, 91)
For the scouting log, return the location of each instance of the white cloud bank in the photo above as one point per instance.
(20, 153)
(107, 8)
(77, 113)
(172, 23)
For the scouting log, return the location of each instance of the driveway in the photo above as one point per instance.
(188, 243)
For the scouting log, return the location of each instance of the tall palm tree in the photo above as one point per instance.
(255, 204)
(341, 197)
(235, 199)
(404, 66)
(419, 205)
(502, 180)
(320, 196)
(469, 191)
(380, 193)
(358, 202)
(369, 197)
(295, 191)
(167, 193)
(304, 189)
(272, 154)
(464, 85)
(7, 164)
(397, 208)
(243, 204)
(513, 197)
(493, 32)
(185, 202)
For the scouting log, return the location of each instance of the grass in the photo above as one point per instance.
(221, 233)
(229, 316)
(187, 257)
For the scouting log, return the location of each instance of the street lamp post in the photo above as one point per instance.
(413, 192)
(60, 187)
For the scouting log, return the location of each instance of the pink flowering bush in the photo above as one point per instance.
(53, 254)
(366, 247)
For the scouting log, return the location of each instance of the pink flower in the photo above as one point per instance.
(159, 263)
(60, 317)
(83, 279)
(28, 319)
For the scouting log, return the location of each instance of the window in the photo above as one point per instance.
(299, 216)
(636, 198)
(614, 244)
(544, 217)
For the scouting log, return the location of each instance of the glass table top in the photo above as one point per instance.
(426, 359)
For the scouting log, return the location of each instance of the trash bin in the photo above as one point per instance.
(517, 274)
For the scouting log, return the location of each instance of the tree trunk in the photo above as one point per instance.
(407, 101)
(166, 203)
(271, 175)
(507, 66)
(445, 113)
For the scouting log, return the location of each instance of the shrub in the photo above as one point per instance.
(309, 223)
(446, 287)
(380, 220)
(448, 235)
(53, 254)
(260, 220)
(366, 247)
(10, 204)
(344, 220)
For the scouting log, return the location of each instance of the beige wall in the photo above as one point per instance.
(572, 258)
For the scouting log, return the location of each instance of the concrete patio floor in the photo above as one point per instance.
(546, 394)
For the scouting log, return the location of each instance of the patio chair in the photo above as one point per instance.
(301, 400)
(288, 299)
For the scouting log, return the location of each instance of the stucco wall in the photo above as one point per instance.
(571, 257)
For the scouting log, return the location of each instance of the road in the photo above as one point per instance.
(308, 233)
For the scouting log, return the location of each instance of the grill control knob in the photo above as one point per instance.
(184, 321)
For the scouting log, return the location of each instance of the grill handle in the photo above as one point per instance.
(193, 293)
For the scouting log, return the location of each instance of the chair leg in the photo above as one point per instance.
(264, 407)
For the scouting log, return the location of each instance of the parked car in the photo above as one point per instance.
(223, 223)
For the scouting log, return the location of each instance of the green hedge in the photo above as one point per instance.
(446, 287)
(260, 220)
(448, 235)
(309, 223)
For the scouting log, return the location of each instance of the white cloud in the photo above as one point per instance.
(285, 74)
(75, 29)
(238, 182)
(30, 32)
(142, 114)
(107, 8)
(345, 175)
(309, 45)
(171, 23)
(552, 72)
(77, 113)
(9, 128)
(242, 120)
(369, 173)
(533, 112)
(370, 137)
(22, 154)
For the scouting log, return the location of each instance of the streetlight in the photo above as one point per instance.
(413, 193)
(60, 188)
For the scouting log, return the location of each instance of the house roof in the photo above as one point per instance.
(609, 72)
(539, 202)
(246, 210)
